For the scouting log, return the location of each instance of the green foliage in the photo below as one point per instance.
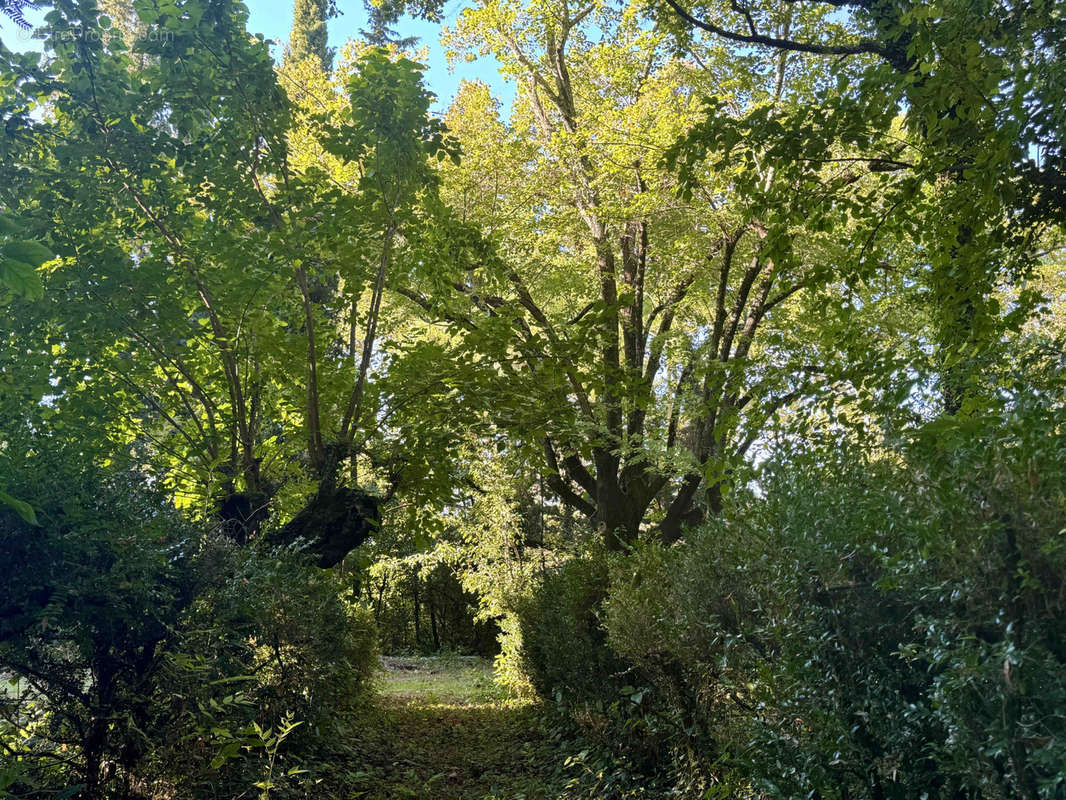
(226, 240)
(419, 605)
(631, 344)
(89, 604)
(272, 649)
(309, 36)
(881, 627)
(709, 378)
(144, 652)
(20, 507)
(569, 599)
(20, 260)
(949, 112)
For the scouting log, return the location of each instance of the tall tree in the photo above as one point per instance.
(637, 340)
(309, 36)
(193, 315)
(979, 170)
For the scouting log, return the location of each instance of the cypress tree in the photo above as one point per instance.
(308, 37)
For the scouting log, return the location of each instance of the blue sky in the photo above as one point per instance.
(273, 19)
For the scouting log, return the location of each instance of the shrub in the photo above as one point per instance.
(150, 658)
(568, 660)
(88, 608)
(885, 627)
(564, 644)
(267, 642)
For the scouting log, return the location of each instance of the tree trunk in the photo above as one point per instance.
(433, 624)
(418, 611)
(334, 523)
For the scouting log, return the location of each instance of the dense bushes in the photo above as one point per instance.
(867, 623)
(149, 658)
(568, 660)
(87, 613)
(569, 599)
(268, 642)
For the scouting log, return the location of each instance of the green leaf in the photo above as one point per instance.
(9, 225)
(21, 278)
(29, 251)
(20, 507)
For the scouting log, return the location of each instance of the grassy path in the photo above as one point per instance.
(444, 731)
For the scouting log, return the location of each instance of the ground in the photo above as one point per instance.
(446, 731)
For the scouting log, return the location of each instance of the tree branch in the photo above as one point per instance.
(863, 46)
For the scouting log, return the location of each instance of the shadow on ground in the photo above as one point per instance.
(443, 730)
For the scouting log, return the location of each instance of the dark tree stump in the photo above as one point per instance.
(334, 523)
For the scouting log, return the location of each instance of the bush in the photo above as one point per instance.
(568, 660)
(886, 627)
(564, 644)
(149, 658)
(268, 642)
(88, 608)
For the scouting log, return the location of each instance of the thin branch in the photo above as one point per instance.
(864, 46)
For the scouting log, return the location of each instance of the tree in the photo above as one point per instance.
(205, 310)
(383, 15)
(635, 340)
(309, 35)
(947, 61)
(979, 168)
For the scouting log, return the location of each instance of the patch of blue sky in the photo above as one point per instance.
(273, 19)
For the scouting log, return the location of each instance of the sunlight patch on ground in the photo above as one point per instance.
(446, 731)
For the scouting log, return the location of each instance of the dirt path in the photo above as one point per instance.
(445, 732)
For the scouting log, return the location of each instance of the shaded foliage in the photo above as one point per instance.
(144, 651)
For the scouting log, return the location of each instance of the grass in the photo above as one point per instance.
(448, 680)
(442, 729)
